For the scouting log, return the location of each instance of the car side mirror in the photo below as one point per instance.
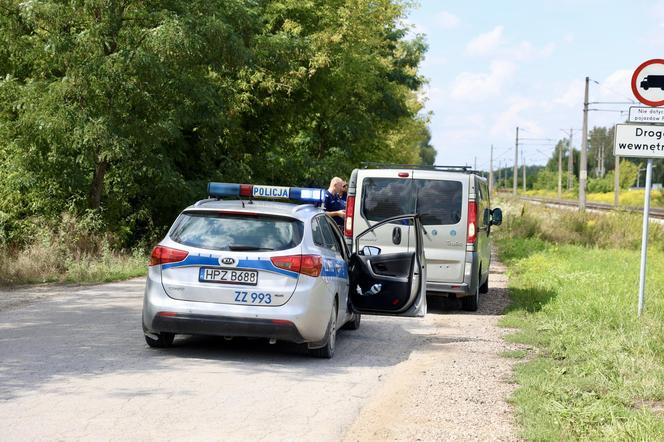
(370, 251)
(496, 216)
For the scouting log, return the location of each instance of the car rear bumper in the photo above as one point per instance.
(303, 318)
(226, 326)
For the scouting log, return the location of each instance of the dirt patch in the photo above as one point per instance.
(454, 388)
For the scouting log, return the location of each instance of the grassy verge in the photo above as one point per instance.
(68, 252)
(596, 371)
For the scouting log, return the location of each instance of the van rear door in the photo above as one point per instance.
(440, 203)
(383, 194)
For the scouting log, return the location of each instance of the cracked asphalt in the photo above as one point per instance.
(74, 366)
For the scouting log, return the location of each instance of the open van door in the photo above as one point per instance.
(391, 283)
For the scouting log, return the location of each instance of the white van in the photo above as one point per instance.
(455, 209)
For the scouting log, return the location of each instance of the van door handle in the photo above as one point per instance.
(396, 235)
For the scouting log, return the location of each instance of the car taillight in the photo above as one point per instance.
(310, 265)
(472, 221)
(164, 255)
(350, 212)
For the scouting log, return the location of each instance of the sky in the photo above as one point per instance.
(495, 65)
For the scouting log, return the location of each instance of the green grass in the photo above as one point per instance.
(68, 251)
(39, 264)
(514, 354)
(598, 371)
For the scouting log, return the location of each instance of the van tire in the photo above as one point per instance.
(484, 288)
(472, 302)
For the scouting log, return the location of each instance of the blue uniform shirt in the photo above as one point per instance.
(332, 203)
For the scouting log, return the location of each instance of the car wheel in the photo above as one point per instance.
(471, 303)
(327, 351)
(355, 323)
(484, 288)
(163, 340)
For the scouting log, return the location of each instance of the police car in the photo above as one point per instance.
(236, 265)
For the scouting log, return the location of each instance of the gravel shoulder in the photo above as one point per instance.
(454, 388)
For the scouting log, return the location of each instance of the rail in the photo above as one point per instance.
(655, 213)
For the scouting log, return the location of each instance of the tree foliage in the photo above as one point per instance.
(127, 108)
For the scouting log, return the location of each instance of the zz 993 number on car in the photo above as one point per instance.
(252, 298)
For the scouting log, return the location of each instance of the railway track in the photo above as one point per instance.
(655, 213)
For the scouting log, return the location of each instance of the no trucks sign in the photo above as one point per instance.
(648, 82)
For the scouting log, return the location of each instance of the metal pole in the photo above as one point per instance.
(491, 172)
(616, 182)
(560, 170)
(523, 168)
(644, 238)
(475, 164)
(515, 177)
(583, 170)
(570, 163)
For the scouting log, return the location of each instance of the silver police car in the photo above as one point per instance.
(281, 271)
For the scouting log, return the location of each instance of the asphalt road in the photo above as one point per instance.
(74, 366)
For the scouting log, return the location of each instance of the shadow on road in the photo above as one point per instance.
(96, 332)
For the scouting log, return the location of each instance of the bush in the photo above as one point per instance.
(73, 249)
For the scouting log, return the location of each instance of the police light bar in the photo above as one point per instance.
(309, 195)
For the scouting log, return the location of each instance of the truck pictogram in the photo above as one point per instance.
(653, 81)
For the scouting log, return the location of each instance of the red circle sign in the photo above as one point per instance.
(635, 88)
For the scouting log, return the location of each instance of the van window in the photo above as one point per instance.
(438, 201)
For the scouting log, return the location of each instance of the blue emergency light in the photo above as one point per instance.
(304, 194)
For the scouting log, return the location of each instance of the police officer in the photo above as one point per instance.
(334, 205)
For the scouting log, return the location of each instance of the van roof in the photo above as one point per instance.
(442, 168)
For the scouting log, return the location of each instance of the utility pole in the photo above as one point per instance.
(515, 176)
(475, 164)
(560, 170)
(523, 163)
(570, 163)
(616, 182)
(583, 166)
(491, 172)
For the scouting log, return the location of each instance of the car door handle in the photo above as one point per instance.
(396, 236)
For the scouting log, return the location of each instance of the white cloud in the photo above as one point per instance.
(507, 121)
(494, 43)
(485, 43)
(471, 86)
(447, 20)
(616, 87)
(572, 95)
(568, 38)
(527, 51)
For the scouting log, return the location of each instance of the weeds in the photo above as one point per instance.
(73, 250)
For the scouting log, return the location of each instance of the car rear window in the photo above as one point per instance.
(237, 232)
(437, 201)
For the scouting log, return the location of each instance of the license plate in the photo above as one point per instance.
(228, 276)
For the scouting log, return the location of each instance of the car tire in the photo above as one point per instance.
(354, 324)
(163, 340)
(484, 288)
(327, 351)
(471, 303)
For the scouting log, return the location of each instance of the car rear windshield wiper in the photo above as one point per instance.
(241, 248)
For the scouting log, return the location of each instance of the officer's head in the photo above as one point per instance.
(337, 184)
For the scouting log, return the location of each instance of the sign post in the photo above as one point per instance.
(644, 141)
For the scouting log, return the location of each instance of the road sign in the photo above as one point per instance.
(648, 82)
(639, 140)
(649, 115)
